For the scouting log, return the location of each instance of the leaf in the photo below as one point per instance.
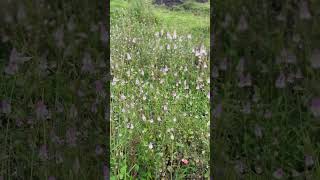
(123, 171)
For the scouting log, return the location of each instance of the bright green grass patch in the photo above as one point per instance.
(186, 18)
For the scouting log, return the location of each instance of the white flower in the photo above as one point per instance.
(172, 137)
(150, 146)
(128, 57)
(123, 97)
(174, 34)
(130, 126)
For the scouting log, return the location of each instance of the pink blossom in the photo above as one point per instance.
(41, 110)
(99, 86)
(15, 59)
(99, 150)
(87, 65)
(281, 81)
(304, 10)
(278, 174)
(51, 178)
(240, 167)
(245, 81)
(315, 106)
(104, 37)
(5, 107)
(71, 137)
(185, 161)
(308, 161)
(105, 172)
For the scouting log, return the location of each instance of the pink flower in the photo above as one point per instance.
(104, 37)
(246, 108)
(99, 86)
(315, 106)
(240, 167)
(105, 172)
(281, 81)
(15, 59)
(304, 10)
(288, 56)
(245, 81)
(185, 161)
(71, 137)
(5, 107)
(87, 65)
(308, 161)
(51, 178)
(41, 110)
(217, 111)
(278, 174)
(99, 150)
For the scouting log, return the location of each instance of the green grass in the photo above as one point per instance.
(280, 129)
(190, 17)
(59, 144)
(158, 118)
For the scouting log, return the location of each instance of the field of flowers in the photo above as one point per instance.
(266, 83)
(52, 90)
(159, 98)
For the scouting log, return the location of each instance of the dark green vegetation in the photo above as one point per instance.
(266, 88)
(52, 69)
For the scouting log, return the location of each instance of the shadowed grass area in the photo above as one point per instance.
(266, 74)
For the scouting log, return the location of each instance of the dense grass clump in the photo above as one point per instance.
(160, 105)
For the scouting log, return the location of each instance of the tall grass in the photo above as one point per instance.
(160, 106)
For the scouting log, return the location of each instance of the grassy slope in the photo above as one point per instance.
(189, 17)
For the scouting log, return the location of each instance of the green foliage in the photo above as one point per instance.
(141, 11)
(150, 140)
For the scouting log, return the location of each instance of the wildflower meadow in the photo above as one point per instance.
(266, 90)
(52, 90)
(159, 93)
